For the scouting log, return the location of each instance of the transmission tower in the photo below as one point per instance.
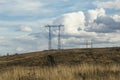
(86, 43)
(91, 43)
(50, 41)
(59, 36)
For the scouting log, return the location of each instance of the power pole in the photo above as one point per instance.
(86, 43)
(50, 37)
(59, 37)
(91, 43)
(50, 41)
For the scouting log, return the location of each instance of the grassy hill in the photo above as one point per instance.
(68, 56)
(72, 64)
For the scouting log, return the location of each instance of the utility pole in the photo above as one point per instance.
(86, 43)
(59, 37)
(91, 43)
(50, 37)
(50, 41)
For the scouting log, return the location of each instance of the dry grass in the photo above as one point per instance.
(72, 64)
(67, 57)
(62, 72)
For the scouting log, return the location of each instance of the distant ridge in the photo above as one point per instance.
(66, 56)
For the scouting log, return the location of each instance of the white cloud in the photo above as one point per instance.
(25, 29)
(35, 23)
(91, 15)
(24, 8)
(19, 49)
(26, 37)
(110, 4)
(30, 43)
(93, 24)
(116, 18)
(86, 23)
(78, 26)
(104, 24)
(77, 23)
(72, 22)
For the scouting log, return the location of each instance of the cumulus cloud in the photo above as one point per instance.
(92, 15)
(73, 22)
(25, 29)
(104, 25)
(85, 23)
(116, 18)
(93, 24)
(76, 23)
(110, 4)
(78, 27)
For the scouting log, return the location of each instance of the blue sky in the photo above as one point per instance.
(22, 23)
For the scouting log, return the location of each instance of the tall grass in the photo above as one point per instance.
(62, 72)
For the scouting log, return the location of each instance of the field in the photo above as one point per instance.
(72, 64)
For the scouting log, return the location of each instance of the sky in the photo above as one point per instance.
(22, 24)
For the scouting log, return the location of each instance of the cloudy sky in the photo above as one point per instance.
(22, 24)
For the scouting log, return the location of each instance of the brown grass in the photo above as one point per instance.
(62, 72)
(72, 64)
(67, 57)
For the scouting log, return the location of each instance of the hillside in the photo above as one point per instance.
(68, 56)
